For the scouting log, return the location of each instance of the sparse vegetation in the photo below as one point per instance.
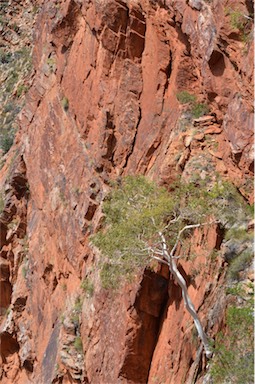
(64, 287)
(237, 19)
(24, 271)
(240, 21)
(78, 344)
(15, 66)
(21, 90)
(65, 103)
(239, 264)
(25, 245)
(239, 233)
(75, 318)
(88, 287)
(197, 109)
(184, 97)
(6, 140)
(15, 69)
(234, 354)
(8, 310)
(51, 62)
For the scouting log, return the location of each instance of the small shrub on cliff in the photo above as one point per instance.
(242, 22)
(8, 310)
(65, 103)
(239, 264)
(185, 97)
(237, 19)
(88, 287)
(76, 311)
(197, 109)
(78, 344)
(6, 140)
(24, 272)
(5, 57)
(234, 354)
(22, 88)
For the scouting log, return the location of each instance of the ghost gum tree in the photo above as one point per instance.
(144, 222)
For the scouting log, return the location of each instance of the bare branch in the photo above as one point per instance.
(173, 221)
(190, 226)
(182, 283)
(160, 260)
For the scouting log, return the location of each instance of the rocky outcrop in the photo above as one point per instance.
(15, 345)
(104, 103)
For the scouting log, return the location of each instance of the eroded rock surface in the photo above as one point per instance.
(103, 103)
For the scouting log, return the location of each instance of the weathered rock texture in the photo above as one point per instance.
(103, 104)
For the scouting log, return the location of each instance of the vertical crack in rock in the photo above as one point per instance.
(149, 304)
(110, 138)
(134, 140)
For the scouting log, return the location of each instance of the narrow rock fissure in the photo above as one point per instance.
(134, 140)
(150, 305)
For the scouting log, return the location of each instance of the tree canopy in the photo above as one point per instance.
(144, 222)
(136, 210)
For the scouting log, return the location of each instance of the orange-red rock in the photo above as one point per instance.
(103, 104)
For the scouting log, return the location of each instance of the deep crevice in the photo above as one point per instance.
(134, 140)
(111, 140)
(150, 304)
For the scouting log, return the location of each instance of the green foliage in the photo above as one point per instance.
(21, 90)
(137, 209)
(65, 103)
(7, 139)
(24, 271)
(129, 210)
(214, 254)
(185, 97)
(35, 9)
(239, 264)
(8, 310)
(78, 344)
(78, 304)
(5, 57)
(238, 234)
(88, 287)
(242, 22)
(197, 109)
(234, 353)
(229, 203)
(51, 62)
(15, 66)
(236, 290)
(76, 311)
(237, 19)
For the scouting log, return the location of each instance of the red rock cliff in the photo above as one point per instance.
(103, 103)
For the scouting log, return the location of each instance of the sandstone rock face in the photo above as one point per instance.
(103, 104)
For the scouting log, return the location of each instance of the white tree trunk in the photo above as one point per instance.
(169, 260)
